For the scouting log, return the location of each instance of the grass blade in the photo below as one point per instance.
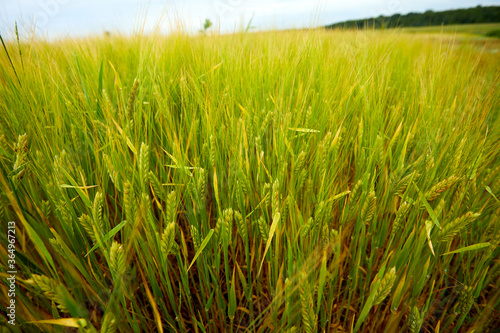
(272, 230)
(469, 248)
(107, 237)
(202, 246)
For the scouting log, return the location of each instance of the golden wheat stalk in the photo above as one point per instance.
(319, 215)
(109, 324)
(51, 289)
(263, 229)
(456, 226)
(131, 100)
(147, 210)
(144, 164)
(307, 305)
(129, 202)
(302, 178)
(440, 187)
(212, 151)
(46, 208)
(171, 207)
(402, 185)
(67, 218)
(460, 195)
(265, 193)
(228, 223)
(86, 223)
(385, 286)
(113, 174)
(168, 239)
(298, 164)
(58, 247)
(155, 185)
(369, 207)
(196, 238)
(285, 208)
(414, 320)
(465, 301)
(458, 155)
(107, 102)
(117, 259)
(218, 228)
(276, 197)
(400, 218)
(201, 184)
(306, 228)
(97, 211)
(21, 150)
(241, 225)
(329, 237)
(355, 194)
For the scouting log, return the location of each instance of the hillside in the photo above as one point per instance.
(477, 14)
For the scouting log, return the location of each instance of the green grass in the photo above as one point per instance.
(282, 181)
(483, 29)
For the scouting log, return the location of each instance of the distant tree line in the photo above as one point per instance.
(477, 14)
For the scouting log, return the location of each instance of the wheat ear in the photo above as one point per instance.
(414, 320)
(456, 226)
(144, 164)
(306, 302)
(52, 289)
(440, 187)
(385, 286)
(131, 100)
(368, 209)
(263, 229)
(167, 239)
(117, 259)
(109, 323)
(400, 217)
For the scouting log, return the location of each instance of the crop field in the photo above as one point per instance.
(464, 30)
(293, 181)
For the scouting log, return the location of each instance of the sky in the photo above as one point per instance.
(58, 18)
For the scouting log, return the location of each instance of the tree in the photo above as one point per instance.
(207, 25)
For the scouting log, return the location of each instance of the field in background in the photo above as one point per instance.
(485, 30)
(295, 181)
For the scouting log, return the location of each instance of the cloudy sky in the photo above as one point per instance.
(54, 18)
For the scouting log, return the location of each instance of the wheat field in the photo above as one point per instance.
(293, 181)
